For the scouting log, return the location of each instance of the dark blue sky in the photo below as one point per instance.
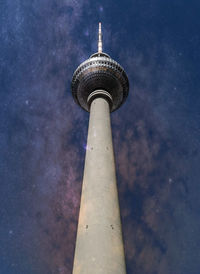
(43, 132)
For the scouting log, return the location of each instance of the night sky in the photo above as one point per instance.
(156, 132)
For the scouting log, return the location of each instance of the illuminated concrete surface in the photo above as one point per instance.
(99, 245)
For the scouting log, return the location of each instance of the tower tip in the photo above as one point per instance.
(100, 39)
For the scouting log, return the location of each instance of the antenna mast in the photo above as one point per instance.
(100, 40)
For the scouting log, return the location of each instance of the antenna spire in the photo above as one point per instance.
(100, 40)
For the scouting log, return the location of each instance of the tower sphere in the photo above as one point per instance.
(100, 76)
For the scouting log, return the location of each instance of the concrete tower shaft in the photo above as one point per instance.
(99, 245)
(99, 85)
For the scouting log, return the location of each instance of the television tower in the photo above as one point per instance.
(99, 86)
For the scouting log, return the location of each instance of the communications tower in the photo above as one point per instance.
(100, 86)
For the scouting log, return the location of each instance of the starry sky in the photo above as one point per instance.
(156, 133)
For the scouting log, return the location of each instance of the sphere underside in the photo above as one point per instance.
(100, 73)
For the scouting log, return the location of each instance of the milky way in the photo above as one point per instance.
(43, 132)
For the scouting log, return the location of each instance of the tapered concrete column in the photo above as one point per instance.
(99, 245)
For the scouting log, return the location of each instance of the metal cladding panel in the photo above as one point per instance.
(100, 73)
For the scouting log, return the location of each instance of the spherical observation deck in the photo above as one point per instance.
(100, 76)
